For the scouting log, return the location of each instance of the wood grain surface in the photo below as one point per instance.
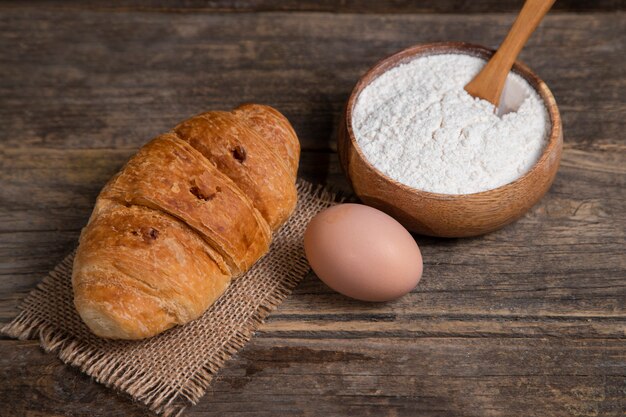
(334, 6)
(527, 321)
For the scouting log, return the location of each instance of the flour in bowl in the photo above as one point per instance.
(416, 124)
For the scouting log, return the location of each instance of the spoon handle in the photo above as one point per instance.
(489, 82)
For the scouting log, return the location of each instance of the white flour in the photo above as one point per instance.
(418, 125)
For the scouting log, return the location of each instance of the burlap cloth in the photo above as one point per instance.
(173, 370)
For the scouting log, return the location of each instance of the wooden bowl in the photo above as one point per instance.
(447, 215)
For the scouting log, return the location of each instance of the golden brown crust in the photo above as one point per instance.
(246, 158)
(169, 175)
(166, 275)
(182, 218)
(275, 129)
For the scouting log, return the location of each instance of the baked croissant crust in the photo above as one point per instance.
(193, 209)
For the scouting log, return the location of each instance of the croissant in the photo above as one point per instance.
(192, 210)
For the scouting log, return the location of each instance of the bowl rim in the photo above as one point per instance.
(407, 55)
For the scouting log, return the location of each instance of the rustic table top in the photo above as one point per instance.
(526, 321)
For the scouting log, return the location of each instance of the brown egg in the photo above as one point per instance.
(362, 253)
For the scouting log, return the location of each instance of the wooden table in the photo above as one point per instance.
(528, 321)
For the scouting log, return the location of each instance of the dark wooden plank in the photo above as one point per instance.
(77, 80)
(334, 6)
(370, 377)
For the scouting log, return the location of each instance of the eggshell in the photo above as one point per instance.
(362, 253)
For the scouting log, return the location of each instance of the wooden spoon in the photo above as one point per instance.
(489, 82)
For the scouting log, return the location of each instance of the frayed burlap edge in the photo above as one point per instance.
(160, 399)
